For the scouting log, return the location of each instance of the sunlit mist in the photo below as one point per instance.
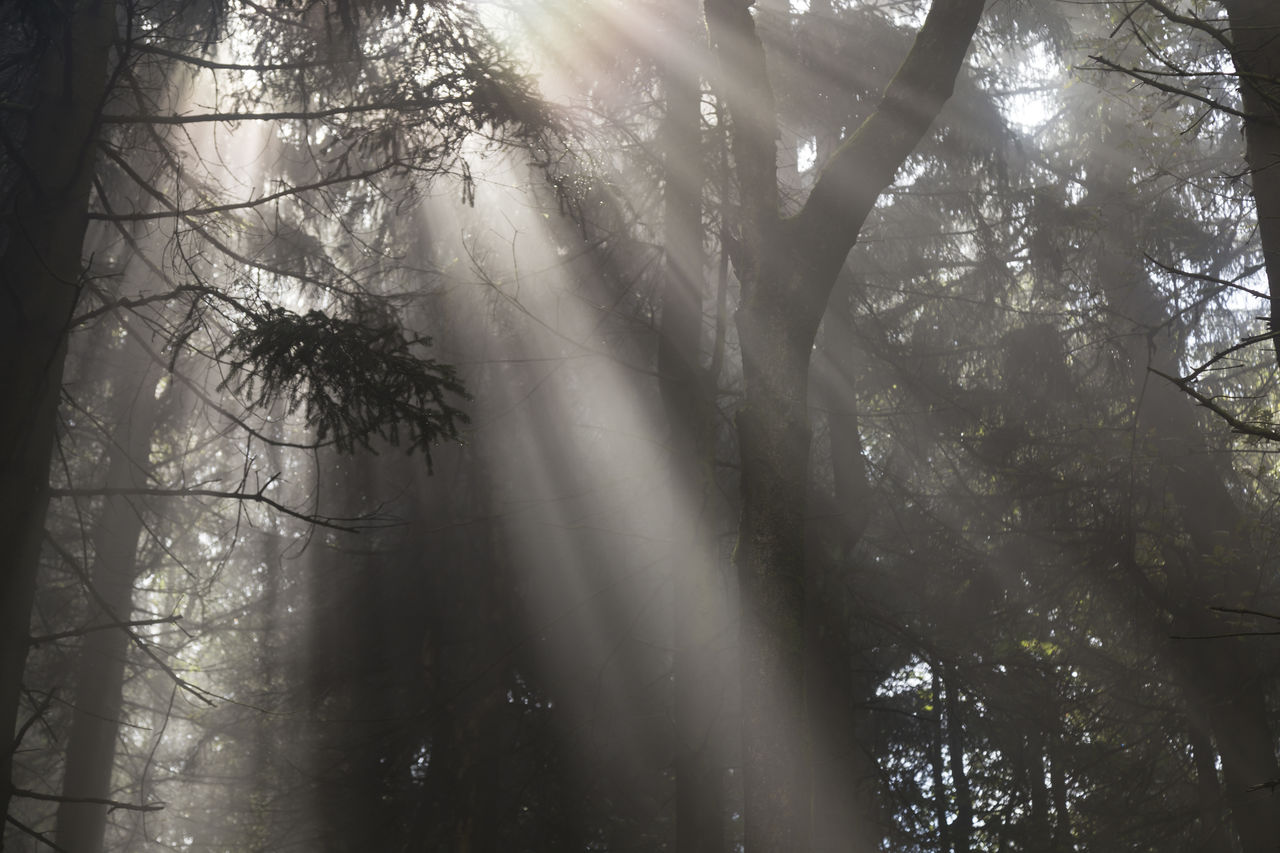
(394, 408)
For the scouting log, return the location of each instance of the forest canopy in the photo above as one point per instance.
(789, 426)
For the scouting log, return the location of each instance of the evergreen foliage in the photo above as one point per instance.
(353, 381)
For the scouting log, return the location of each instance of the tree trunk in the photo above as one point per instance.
(962, 829)
(688, 398)
(941, 802)
(1221, 678)
(95, 725)
(1062, 842)
(847, 815)
(1212, 819)
(1255, 39)
(39, 286)
(787, 269)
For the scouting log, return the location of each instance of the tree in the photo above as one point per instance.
(40, 276)
(787, 269)
(99, 58)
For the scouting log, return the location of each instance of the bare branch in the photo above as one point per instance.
(80, 632)
(347, 524)
(1237, 425)
(335, 180)
(1191, 20)
(102, 801)
(1147, 77)
(38, 836)
(1225, 282)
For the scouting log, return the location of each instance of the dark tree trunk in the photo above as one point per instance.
(1062, 842)
(847, 814)
(95, 724)
(941, 800)
(688, 398)
(1255, 40)
(39, 285)
(787, 269)
(962, 829)
(1213, 836)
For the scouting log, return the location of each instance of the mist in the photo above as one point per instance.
(577, 425)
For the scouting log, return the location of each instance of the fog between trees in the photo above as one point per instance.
(577, 425)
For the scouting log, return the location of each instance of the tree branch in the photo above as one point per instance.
(250, 203)
(1237, 425)
(37, 835)
(865, 164)
(1144, 77)
(80, 632)
(348, 525)
(102, 801)
(404, 106)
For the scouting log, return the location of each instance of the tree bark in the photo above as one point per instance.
(941, 801)
(847, 815)
(688, 398)
(1255, 39)
(39, 286)
(962, 829)
(95, 724)
(787, 269)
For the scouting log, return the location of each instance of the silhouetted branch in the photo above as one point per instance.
(1237, 425)
(102, 801)
(404, 106)
(1191, 20)
(38, 836)
(1212, 279)
(257, 68)
(1145, 77)
(80, 632)
(70, 559)
(346, 524)
(335, 180)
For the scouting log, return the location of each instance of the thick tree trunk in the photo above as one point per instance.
(39, 286)
(1255, 39)
(95, 725)
(787, 269)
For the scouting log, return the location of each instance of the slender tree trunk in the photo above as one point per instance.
(1062, 842)
(39, 286)
(941, 801)
(787, 269)
(1212, 818)
(687, 395)
(847, 815)
(962, 829)
(95, 724)
(1255, 39)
